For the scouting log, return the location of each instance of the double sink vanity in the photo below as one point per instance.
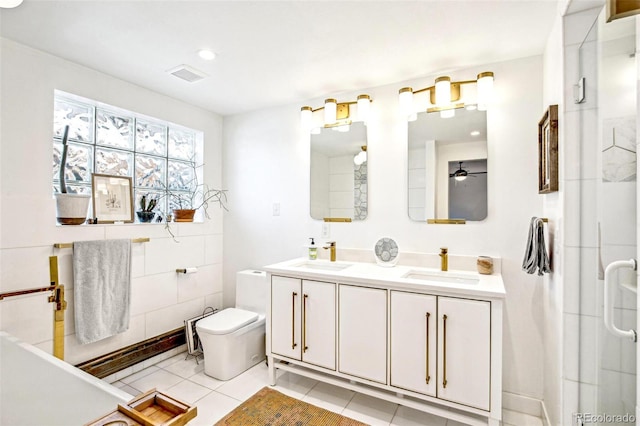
(420, 337)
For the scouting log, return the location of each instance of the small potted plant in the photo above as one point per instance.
(146, 213)
(71, 208)
(185, 204)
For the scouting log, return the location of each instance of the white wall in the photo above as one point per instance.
(160, 299)
(266, 159)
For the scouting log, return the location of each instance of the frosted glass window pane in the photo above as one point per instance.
(157, 195)
(180, 200)
(114, 129)
(113, 162)
(150, 171)
(79, 162)
(151, 138)
(181, 144)
(77, 116)
(73, 189)
(181, 175)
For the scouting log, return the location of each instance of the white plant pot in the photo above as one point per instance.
(71, 209)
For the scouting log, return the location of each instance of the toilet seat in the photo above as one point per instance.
(226, 321)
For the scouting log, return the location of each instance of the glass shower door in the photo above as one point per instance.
(610, 396)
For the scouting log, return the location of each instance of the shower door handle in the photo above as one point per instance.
(609, 297)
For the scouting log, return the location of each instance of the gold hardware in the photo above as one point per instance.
(447, 221)
(332, 248)
(304, 324)
(428, 377)
(444, 351)
(444, 259)
(339, 123)
(337, 219)
(70, 245)
(58, 310)
(544, 219)
(293, 320)
(445, 108)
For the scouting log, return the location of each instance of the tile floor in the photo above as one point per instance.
(185, 380)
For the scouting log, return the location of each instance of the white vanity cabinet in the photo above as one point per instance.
(432, 347)
(303, 320)
(362, 332)
(464, 351)
(412, 341)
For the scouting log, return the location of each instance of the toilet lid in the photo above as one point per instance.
(226, 321)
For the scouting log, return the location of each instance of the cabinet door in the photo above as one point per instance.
(319, 323)
(464, 351)
(363, 332)
(413, 342)
(285, 316)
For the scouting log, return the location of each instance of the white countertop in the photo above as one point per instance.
(453, 282)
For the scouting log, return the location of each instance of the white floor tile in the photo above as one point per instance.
(171, 360)
(160, 380)
(188, 392)
(185, 367)
(128, 389)
(243, 386)
(135, 376)
(370, 410)
(329, 397)
(294, 385)
(406, 416)
(212, 408)
(207, 381)
(519, 419)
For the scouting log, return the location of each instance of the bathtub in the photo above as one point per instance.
(40, 390)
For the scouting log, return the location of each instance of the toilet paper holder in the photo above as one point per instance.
(186, 270)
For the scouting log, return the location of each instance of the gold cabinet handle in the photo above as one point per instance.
(428, 377)
(444, 351)
(293, 320)
(304, 324)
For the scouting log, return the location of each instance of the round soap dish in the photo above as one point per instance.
(386, 252)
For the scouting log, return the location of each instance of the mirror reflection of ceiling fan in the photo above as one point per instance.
(462, 174)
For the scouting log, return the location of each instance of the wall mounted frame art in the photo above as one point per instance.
(548, 151)
(112, 198)
(617, 9)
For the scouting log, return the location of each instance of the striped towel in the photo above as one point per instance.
(535, 255)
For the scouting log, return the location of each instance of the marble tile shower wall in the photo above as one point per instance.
(161, 299)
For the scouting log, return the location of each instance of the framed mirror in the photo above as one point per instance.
(447, 163)
(339, 173)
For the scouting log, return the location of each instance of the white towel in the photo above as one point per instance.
(535, 255)
(101, 288)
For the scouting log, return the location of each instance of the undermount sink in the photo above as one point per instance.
(443, 277)
(322, 265)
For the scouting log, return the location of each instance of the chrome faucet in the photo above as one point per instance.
(444, 259)
(332, 247)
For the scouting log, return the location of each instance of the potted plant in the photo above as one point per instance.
(185, 204)
(146, 213)
(71, 208)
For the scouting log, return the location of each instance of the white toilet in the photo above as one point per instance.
(233, 340)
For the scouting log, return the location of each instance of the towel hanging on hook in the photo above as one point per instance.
(535, 255)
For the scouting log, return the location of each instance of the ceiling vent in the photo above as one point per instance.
(187, 73)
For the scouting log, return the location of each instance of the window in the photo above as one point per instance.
(108, 140)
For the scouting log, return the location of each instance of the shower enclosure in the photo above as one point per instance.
(608, 224)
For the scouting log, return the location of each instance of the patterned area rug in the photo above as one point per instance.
(269, 407)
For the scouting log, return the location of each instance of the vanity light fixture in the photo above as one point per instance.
(446, 96)
(337, 115)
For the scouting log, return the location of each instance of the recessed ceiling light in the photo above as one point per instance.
(8, 4)
(206, 54)
(475, 133)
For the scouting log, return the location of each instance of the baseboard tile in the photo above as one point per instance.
(521, 404)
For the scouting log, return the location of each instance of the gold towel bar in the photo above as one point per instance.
(70, 245)
(337, 219)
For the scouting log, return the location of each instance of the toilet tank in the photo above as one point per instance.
(251, 291)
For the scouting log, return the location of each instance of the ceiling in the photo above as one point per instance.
(272, 53)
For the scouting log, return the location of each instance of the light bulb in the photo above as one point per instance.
(8, 4)
(443, 91)
(405, 98)
(306, 114)
(364, 106)
(485, 90)
(330, 109)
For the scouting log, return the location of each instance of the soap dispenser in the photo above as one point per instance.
(313, 250)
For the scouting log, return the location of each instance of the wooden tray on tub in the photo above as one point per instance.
(151, 408)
